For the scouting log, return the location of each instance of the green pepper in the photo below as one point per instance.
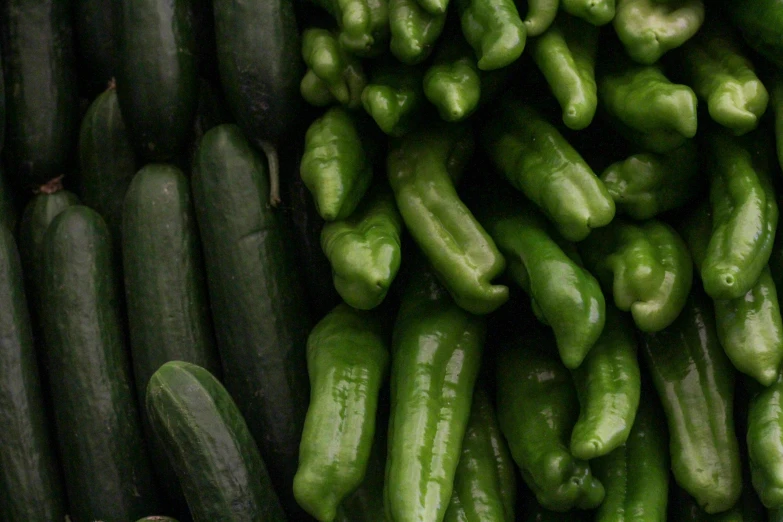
(775, 515)
(683, 508)
(760, 22)
(744, 214)
(765, 444)
(436, 354)
(647, 184)
(414, 31)
(332, 74)
(647, 266)
(420, 167)
(720, 73)
(364, 24)
(659, 115)
(347, 360)
(494, 30)
(650, 28)
(695, 382)
(536, 159)
(537, 408)
(608, 385)
(366, 503)
(565, 53)
(335, 166)
(540, 15)
(565, 296)
(485, 483)
(636, 475)
(596, 12)
(452, 82)
(364, 250)
(394, 97)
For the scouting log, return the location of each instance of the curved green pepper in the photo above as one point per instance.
(394, 96)
(765, 444)
(721, 74)
(608, 386)
(335, 167)
(636, 475)
(347, 359)
(537, 408)
(536, 159)
(452, 82)
(648, 267)
(659, 115)
(364, 24)
(650, 28)
(364, 250)
(332, 74)
(565, 53)
(494, 31)
(485, 483)
(436, 354)
(596, 12)
(744, 214)
(565, 296)
(420, 168)
(540, 15)
(414, 31)
(695, 382)
(647, 184)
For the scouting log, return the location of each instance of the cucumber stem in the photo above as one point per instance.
(274, 172)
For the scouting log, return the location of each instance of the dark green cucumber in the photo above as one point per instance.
(96, 47)
(7, 206)
(260, 69)
(157, 519)
(210, 446)
(41, 95)
(107, 471)
(157, 81)
(30, 481)
(261, 316)
(107, 162)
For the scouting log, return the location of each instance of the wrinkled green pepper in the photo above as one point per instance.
(646, 265)
(332, 74)
(565, 54)
(765, 444)
(650, 28)
(452, 82)
(436, 354)
(596, 12)
(537, 408)
(695, 382)
(540, 15)
(414, 31)
(364, 24)
(421, 168)
(485, 483)
(608, 386)
(744, 214)
(494, 30)
(335, 165)
(659, 115)
(647, 184)
(720, 73)
(565, 296)
(347, 360)
(536, 159)
(394, 97)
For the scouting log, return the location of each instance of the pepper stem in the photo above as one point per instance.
(274, 172)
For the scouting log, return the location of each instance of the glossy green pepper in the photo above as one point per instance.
(394, 97)
(647, 184)
(537, 408)
(765, 444)
(565, 53)
(540, 15)
(608, 385)
(596, 12)
(347, 360)
(744, 214)
(659, 115)
(636, 475)
(565, 296)
(421, 167)
(436, 354)
(485, 483)
(650, 28)
(648, 267)
(365, 504)
(335, 166)
(364, 24)
(720, 73)
(414, 31)
(494, 30)
(536, 159)
(332, 74)
(364, 250)
(695, 382)
(452, 82)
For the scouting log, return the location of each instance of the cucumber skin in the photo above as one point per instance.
(30, 483)
(107, 471)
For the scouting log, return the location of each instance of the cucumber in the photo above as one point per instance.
(96, 48)
(157, 519)
(157, 81)
(41, 95)
(7, 206)
(260, 69)
(30, 481)
(261, 317)
(210, 446)
(107, 471)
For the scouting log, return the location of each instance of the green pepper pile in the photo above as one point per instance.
(553, 230)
